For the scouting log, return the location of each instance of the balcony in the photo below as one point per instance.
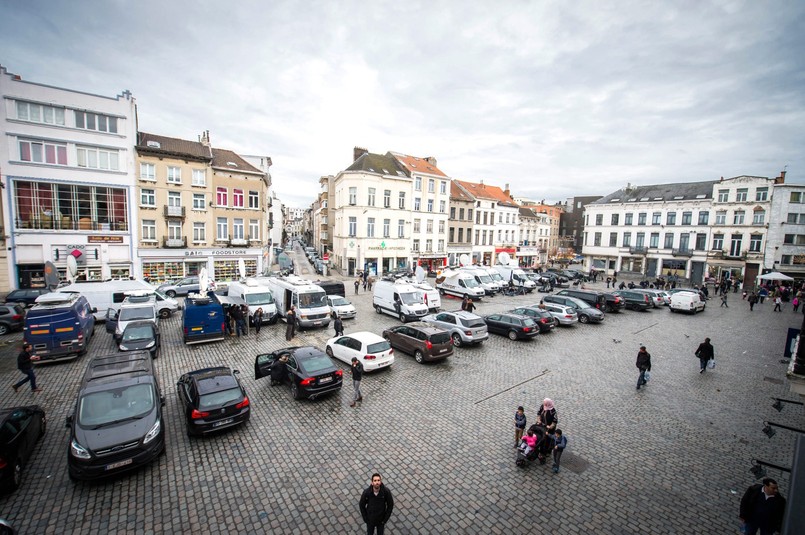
(238, 242)
(171, 243)
(66, 223)
(682, 252)
(638, 249)
(174, 211)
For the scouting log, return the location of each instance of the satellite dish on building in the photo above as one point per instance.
(464, 260)
(52, 275)
(72, 268)
(203, 281)
(504, 258)
(241, 268)
(420, 274)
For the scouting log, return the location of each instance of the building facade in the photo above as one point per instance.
(785, 244)
(571, 224)
(490, 206)
(460, 224)
(535, 230)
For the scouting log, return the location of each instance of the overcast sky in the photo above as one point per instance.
(554, 98)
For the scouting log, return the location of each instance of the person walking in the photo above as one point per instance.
(519, 425)
(560, 443)
(376, 506)
(338, 325)
(762, 508)
(752, 300)
(257, 320)
(644, 365)
(724, 300)
(795, 302)
(357, 285)
(290, 319)
(24, 365)
(778, 303)
(468, 305)
(357, 374)
(705, 353)
(237, 315)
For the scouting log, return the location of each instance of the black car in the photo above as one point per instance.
(20, 430)
(594, 299)
(12, 318)
(512, 325)
(634, 300)
(141, 336)
(544, 319)
(213, 400)
(25, 296)
(310, 372)
(557, 280)
(586, 312)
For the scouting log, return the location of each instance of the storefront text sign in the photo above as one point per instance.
(219, 252)
(104, 239)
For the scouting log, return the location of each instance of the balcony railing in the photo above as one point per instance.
(174, 242)
(174, 211)
(682, 252)
(638, 249)
(66, 223)
(238, 242)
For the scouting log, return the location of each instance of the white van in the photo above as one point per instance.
(495, 276)
(460, 284)
(138, 306)
(103, 295)
(399, 299)
(429, 294)
(310, 300)
(256, 296)
(516, 276)
(686, 302)
(482, 277)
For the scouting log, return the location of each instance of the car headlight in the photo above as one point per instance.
(152, 344)
(78, 451)
(152, 434)
(124, 348)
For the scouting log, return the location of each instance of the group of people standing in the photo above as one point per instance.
(543, 437)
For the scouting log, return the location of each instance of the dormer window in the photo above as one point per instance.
(231, 164)
(153, 144)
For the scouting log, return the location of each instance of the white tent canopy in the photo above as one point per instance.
(775, 276)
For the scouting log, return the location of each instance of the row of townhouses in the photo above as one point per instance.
(80, 180)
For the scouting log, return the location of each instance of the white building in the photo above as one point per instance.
(535, 232)
(785, 242)
(496, 225)
(67, 159)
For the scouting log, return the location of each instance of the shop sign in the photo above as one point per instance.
(105, 239)
(510, 250)
(219, 252)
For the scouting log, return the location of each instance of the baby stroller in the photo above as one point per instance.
(541, 449)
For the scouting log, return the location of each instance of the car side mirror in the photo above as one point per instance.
(236, 371)
(68, 421)
(94, 310)
(162, 400)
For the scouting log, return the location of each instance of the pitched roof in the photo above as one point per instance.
(483, 191)
(661, 192)
(412, 164)
(377, 163)
(224, 159)
(458, 194)
(171, 146)
(527, 212)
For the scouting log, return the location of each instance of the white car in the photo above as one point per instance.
(564, 314)
(371, 349)
(341, 306)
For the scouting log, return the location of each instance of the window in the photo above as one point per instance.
(500, 235)
(786, 259)
(353, 196)
(430, 205)
(370, 227)
(254, 229)
(441, 227)
(640, 239)
(40, 113)
(627, 219)
(684, 241)
(654, 240)
(741, 194)
(670, 218)
(442, 207)
(199, 201)
(95, 121)
(656, 218)
(401, 228)
(174, 199)
(759, 217)
(431, 186)
(386, 228)
(597, 239)
(429, 245)
(452, 213)
(174, 230)
(469, 214)
(762, 194)
(371, 200)
(417, 183)
(669, 240)
(174, 175)
(477, 237)
(613, 220)
(441, 245)
(237, 228)
(429, 226)
(94, 158)
(443, 187)
(254, 200)
(755, 242)
(738, 218)
(415, 246)
(704, 218)
(701, 241)
(718, 242)
(417, 225)
(460, 235)
(417, 202)
(796, 219)
(500, 218)
(199, 232)
(221, 229)
(401, 203)
(387, 198)
(723, 195)
(613, 239)
(788, 239)
(199, 177)
(43, 152)
(148, 197)
(237, 198)
(641, 218)
(627, 239)
(148, 171)
(721, 217)
(735, 244)
(599, 219)
(149, 230)
(687, 218)
(221, 197)
(353, 227)
(796, 197)
(79, 207)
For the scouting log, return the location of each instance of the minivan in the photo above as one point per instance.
(59, 326)
(425, 342)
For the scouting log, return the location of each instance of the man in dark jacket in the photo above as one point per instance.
(762, 508)
(644, 365)
(290, 319)
(338, 325)
(376, 505)
(357, 375)
(24, 365)
(705, 354)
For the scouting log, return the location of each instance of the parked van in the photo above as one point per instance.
(309, 300)
(59, 326)
(430, 295)
(399, 299)
(110, 294)
(516, 276)
(686, 302)
(482, 277)
(203, 319)
(495, 276)
(256, 296)
(139, 306)
(460, 284)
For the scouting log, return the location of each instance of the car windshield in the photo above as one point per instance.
(217, 399)
(136, 313)
(470, 283)
(126, 403)
(378, 347)
(440, 338)
(264, 298)
(312, 300)
(496, 276)
(477, 322)
(316, 363)
(161, 296)
(138, 332)
(339, 301)
(486, 279)
(412, 298)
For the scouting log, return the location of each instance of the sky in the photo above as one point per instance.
(555, 99)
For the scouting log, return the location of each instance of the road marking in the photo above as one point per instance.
(544, 372)
(649, 327)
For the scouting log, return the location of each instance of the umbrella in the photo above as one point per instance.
(775, 276)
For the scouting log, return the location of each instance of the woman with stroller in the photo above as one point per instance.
(546, 416)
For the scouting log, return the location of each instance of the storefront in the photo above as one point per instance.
(432, 262)
(161, 265)
(511, 251)
(528, 257)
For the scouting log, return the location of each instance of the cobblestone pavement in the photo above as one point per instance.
(670, 458)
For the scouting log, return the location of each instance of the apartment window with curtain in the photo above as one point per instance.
(353, 227)
(762, 194)
(627, 219)
(370, 227)
(742, 194)
(401, 202)
(417, 203)
(39, 113)
(597, 239)
(401, 228)
(386, 228)
(148, 171)
(417, 223)
(443, 187)
(656, 218)
(738, 218)
(654, 240)
(430, 205)
(670, 218)
(199, 178)
(353, 196)
(237, 198)
(431, 186)
(417, 183)
(221, 197)
(371, 199)
(174, 175)
(613, 239)
(704, 218)
(759, 217)
(627, 239)
(254, 229)
(718, 242)
(199, 201)
(221, 229)
(441, 227)
(149, 230)
(387, 198)
(199, 232)
(148, 197)
(669, 240)
(641, 218)
(429, 226)
(237, 229)
(613, 220)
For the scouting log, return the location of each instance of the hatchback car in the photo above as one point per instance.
(213, 400)
(182, 287)
(12, 318)
(515, 326)
(20, 430)
(141, 336)
(634, 300)
(420, 339)
(341, 306)
(26, 296)
(586, 312)
(564, 314)
(465, 328)
(545, 320)
(372, 350)
(311, 373)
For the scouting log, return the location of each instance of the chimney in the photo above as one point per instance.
(506, 191)
(357, 152)
(431, 160)
(482, 184)
(204, 138)
(780, 179)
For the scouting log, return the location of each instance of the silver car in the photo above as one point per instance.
(182, 287)
(657, 297)
(564, 314)
(464, 327)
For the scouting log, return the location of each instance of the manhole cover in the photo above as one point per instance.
(574, 463)
(773, 380)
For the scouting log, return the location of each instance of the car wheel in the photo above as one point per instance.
(419, 357)
(402, 317)
(295, 390)
(165, 313)
(456, 339)
(378, 309)
(441, 291)
(3, 328)
(170, 293)
(16, 475)
(190, 433)
(584, 319)
(512, 335)
(329, 352)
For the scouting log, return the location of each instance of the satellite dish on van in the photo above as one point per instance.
(52, 275)
(72, 268)
(241, 268)
(464, 259)
(420, 274)
(203, 281)
(504, 258)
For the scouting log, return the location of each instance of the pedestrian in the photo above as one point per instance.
(644, 365)
(290, 319)
(228, 321)
(257, 321)
(519, 425)
(560, 443)
(778, 302)
(357, 284)
(365, 279)
(763, 294)
(376, 506)
(752, 300)
(705, 353)
(614, 278)
(762, 508)
(609, 281)
(24, 365)
(546, 416)
(469, 305)
(237, 315)
(338, 325)
(724, 300)
(795, 302)
(279, 370)
(357, 373)
(371, 282)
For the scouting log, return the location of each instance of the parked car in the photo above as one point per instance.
(634, 300)
(544, 319)
(213, 399)
(26, 296)
(20, 430)
(341, 306)
(141, 336)
(557, 280)
(594, 299)
(686, 302)
(586, 312)
(372, 350)
(12, 317)
(564, 314)
(465, 328)
(311, 373)
(654, 296)
(673, 291)
(515, 326)
(420, 339)
(182, 287)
